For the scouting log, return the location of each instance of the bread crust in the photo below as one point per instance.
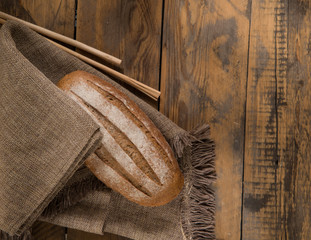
(134, 159)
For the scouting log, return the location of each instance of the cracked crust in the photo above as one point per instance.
(134, 159)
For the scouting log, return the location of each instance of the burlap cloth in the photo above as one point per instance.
(45, 138)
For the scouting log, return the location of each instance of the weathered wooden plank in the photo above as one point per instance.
(266, 126)
(297, 182)
(47, 231)
(55, 15)
(80, 235)
(277, 163)
(204, 69)
(129, 30)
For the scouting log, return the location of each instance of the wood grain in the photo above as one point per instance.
(79, 235)
(296, 193)
(266, 126)
(127, 29)
(55, 15)
(204, 68)
(47, 231)
(277, 157)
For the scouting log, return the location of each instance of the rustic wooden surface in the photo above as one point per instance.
(79, 235)
(55, 15)
(47, 231)
(129, 30)
(204, 69)
(242, 66)
(296, 181)
(276, 199)
(265, 135)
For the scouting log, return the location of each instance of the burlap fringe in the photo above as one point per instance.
(25, 236)
(198, 204)
(72, 195)
(180, 142)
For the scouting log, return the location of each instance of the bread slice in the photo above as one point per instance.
(134, 159)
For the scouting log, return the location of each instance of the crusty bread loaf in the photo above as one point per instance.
(134, 159)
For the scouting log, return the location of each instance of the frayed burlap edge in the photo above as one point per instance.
(198, 201)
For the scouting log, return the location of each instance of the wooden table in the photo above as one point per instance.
(242, 66)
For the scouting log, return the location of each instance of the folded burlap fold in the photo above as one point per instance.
(45, 137)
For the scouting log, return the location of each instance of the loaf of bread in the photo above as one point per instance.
(134, 158)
